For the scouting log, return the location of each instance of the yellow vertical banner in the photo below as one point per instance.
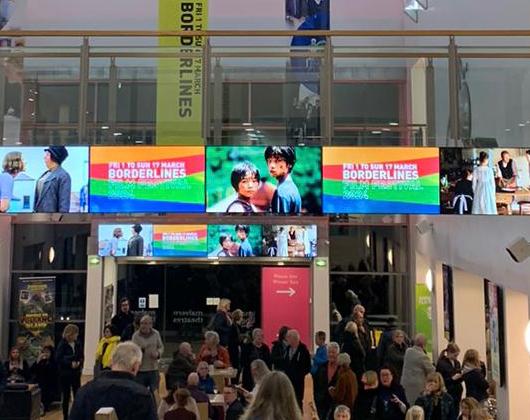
(180, 79)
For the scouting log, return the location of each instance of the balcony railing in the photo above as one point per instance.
(252, 87)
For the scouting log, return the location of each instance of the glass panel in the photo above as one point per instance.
(50, 247)
(368, 249)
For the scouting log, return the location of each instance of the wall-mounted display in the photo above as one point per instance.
(147, 179)
(276, 179)
(485, 181)
(179, 241)
(290, 241)
(125, 240)
(379, 180)
(235, 240)
(51, 179)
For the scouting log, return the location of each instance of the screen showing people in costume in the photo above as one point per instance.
(275, 179)
(52, 179)
(290, 241)
(485, 181)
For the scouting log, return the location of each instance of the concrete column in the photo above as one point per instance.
(321, 298)
(94, 312)
(5, 282)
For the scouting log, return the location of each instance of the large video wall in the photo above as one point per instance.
(264, 179)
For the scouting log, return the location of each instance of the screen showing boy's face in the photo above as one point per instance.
(248, 186)
(227, 243)
(242, 235)
(277, 167)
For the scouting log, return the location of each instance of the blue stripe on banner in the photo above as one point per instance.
(100, 204)
(157, 252)
(333, 204)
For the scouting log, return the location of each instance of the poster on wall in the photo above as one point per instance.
(146, 179)
(495, 352)
(290, 241)
(364, 180)
(235, 240)
(125, 240)
(179, 240)
(424, 314)
(286, 300)
(449, 321)
(485, 181)
(51, 179)
(276, 179)
(36, 310)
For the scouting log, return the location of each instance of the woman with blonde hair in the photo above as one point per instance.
(480, 414)
(221, 322)
(415, 413)
(353, 347)
(69, 357)
(12, 165)
(435, 401)
(467, 405)
(476, 384)
(275, 400)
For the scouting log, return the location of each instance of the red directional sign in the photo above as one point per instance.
(285, 297)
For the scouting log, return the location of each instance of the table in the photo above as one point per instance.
(21, 404)
(222, 376)
(506, 198)
(217, 400)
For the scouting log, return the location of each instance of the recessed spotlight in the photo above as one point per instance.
(247, 124)
(377, 132)
(393, 124)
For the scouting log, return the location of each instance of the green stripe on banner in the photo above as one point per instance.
(179, 80)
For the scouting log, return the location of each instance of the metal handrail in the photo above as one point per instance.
(272, 33)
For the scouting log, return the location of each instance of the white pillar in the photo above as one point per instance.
(321, 302)
(94, 312)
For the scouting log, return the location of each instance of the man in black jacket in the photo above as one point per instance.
(297, 363)
(117, 389)
(234, 408)
(124, 317)
(182, 365)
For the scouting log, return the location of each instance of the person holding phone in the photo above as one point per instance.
(391, 403)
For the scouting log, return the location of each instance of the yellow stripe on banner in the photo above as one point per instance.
(179, 80)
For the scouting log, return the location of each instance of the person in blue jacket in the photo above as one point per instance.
(280, 161)
(54, 187)
(321, 355)
(245, 248)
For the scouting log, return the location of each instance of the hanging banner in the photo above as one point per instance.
(36, 308)
(179, 81)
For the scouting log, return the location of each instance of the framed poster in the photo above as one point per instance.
(448, 303)
(495, 351)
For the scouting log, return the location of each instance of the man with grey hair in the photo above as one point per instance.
(254, 350)
(149, 341)
(196, 393)
(416, 367)
(325, 377)
(116, 388)
(297, 363)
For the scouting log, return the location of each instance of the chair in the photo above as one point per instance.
(522, 204)
(203, 410)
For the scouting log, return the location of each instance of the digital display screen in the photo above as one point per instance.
(147, 179)
(275, 179)
(46, 179)
(380, 180)
(235, 240)
(290, 241)
(125, 240)
(180, 240)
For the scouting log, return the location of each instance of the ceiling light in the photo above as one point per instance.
(429, 280)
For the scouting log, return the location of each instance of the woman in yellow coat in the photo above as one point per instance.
(106, 347)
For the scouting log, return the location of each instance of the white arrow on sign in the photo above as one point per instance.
(289, 292)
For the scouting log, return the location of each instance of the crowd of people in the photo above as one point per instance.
(350, 378)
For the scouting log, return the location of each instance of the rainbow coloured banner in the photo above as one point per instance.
(179, 241)
(147, 179)
(379, 180)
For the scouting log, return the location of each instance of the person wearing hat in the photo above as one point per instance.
(135, 246)
(52, 194)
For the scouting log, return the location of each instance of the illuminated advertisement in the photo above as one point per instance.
(276, 179)
(125, 240)
(146, 179)
(51, 179)
(290, 241)
(179, 241)
(234, 240)
(380, 180)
